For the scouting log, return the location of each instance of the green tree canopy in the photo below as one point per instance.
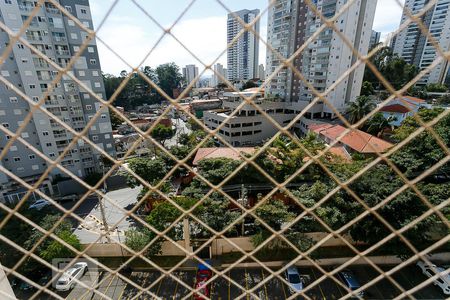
(169, 77)
(161, 133)
(359, 108)
(151, 170)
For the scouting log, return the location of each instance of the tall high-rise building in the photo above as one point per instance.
(374, 39)
(261, 72)
(59, 38)
(243, 55)
(326, 57)
(416, 48)
(190, 72)
(285, 33)
(218, 69)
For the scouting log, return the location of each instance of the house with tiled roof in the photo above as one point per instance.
(350, 142)
(401, 108)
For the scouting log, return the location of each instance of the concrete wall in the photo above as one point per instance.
(71, 186)
(218, 246)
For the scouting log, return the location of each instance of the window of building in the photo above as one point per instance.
(16, 158)
(93, 127)
(95, 138)
(74, 36)
(6, 125)
(13, 99)
(25, 135)
(68, 8)
(93, 61)
(8, 1)
(51, 154)
(24, 60)
(97, 84)
(83, 11)
(17, 111)
(86, 96)
(82, 73)
(90, 49)
(108, 145)
(35, 167)
(28, 73)
(103, 116)
(2, 113)
(70, 23)
(94, 73)
(45, 133)
(5, 73)
(76, 48)
(35, 98)
(88, 107)
(48, 144)
(32, 86)
(86, 24)
(13, 148)
(31, 156)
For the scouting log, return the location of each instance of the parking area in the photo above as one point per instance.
(167, 288)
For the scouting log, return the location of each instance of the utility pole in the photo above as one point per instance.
(102, 208)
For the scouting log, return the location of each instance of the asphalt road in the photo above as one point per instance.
(152, 285)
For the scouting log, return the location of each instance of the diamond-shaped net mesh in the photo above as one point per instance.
(302, 184)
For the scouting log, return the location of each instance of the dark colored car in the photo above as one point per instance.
(203, 275)
(350, 281)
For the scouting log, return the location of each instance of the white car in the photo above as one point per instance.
(443, 281)
(67, 280)
(39, 204)
(293, 277)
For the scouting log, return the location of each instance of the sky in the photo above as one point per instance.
(199, 32)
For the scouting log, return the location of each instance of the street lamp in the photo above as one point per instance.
(102, 208)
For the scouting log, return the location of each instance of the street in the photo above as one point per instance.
(89, 210)
(168, 288)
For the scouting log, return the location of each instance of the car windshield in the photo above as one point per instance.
(294, 278)
(62, 282)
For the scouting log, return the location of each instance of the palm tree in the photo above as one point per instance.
(359, 108)
(378, 124)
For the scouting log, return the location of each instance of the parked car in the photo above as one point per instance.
(350, 281)
(67, 198)
(443, 281)
(204, 273)
(39, 204)
(294, 279)
(67, 281)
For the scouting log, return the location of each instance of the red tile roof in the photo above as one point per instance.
(221, 152)
(396, 108)
(356, 139)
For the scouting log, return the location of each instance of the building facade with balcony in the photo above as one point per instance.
(417, 48)
(59, 38)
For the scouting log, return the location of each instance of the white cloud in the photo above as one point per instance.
(387, 16)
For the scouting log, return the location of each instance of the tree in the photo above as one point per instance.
(436, 88)
(378, 124)
(169, 77)
(161, 133)
(151, 170)
(216, 213)
(138, 239)
(116, 121)
(359, 108)
(55, 249)
(274, 213)
(367, 88)
(249, 84)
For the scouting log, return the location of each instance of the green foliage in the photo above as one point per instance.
(359, 108)
(248, 85)
(392, 67)
(116, 121)
(436, 88)
(216, 213)
(378, 123)
(274, 213)
(151, 170)
(138, 239)
(367, 88)
(56, 249)
(93, 178)
(136, 90)
(161, 133)
(169, 77)
(217, 169)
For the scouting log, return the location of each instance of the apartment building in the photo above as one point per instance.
(285, 34)
(59, 38)
(325, 58)
(247, 127)
(416, 48)
(218, 69)
(374, 39)
(243, 54)
(190, 72)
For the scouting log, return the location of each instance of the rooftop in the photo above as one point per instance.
(395, 108)
(221, 152)
(356, 139)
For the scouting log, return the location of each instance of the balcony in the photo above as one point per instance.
(54, 11)
(62, 52)
(34, 37)
(59, 39)
(26, 8)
